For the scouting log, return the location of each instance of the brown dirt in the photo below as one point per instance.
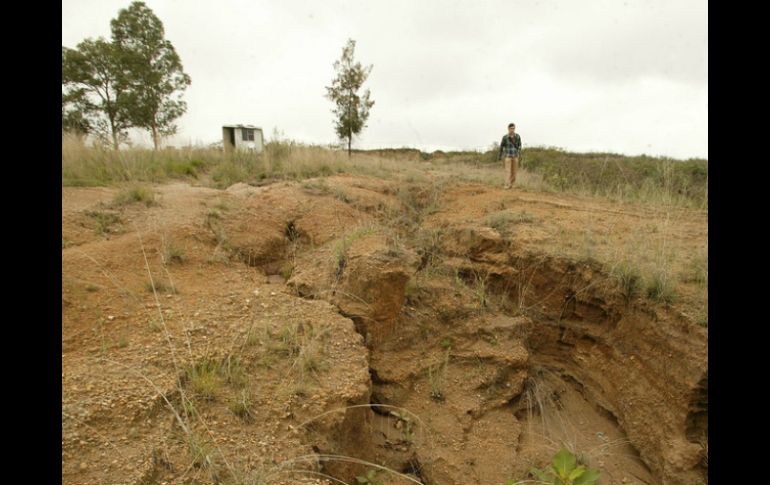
(371, 320)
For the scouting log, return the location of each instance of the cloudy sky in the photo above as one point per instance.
(624, 76)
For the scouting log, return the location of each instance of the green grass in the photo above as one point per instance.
(134, 195)
(204, 379)
(660, 288)
(207, 377)
(173, 254)
(241, 405)
(629, 277)
(502, 220)
(104, 220)
(161, 287)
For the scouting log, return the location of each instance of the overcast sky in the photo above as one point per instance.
(594, 75)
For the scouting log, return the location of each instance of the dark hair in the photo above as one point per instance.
(511, 124)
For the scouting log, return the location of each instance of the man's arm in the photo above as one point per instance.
(500, 154)
(518, 142)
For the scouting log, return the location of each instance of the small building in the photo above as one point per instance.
(242, 137)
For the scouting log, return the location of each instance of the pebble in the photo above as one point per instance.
(110, 317)
(83, 467)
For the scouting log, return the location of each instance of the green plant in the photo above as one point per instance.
(370, 478)
(660, 288)
(134, 195)
(564, 470)
(204, 379)
(341, 195)
(286, 271)
(502, 220)
(241, 405)
(104, 220)
(437, 374)
(173, 254)
(629, 278)
(161, 287)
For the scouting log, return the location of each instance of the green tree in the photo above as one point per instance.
(95, 99)
(351, 110)
(153, 69)
(75, 112)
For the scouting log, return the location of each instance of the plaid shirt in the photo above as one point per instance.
(511, 147)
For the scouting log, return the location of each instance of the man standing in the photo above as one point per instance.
(510, 147)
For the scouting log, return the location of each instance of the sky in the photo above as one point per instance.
(620, 76)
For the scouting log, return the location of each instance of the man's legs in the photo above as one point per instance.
(510, 171)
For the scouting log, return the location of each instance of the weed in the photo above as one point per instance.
(204, 379)
(161, 287)
(564, 470)
(370, 478)
(502, 220)
(341, 195)
(291, 232)
(134, 195)
(286, 271)
(437, 375)
(660, 289)
(629, 278)
(241, 405)
(173, 254)
(104, 220)
(411, 289)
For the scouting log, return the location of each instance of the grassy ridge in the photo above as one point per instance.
(618, 177)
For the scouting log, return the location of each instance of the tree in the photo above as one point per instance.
(351, 110)
(152, 68)
(94, 97)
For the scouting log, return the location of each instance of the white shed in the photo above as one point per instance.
(242, 137)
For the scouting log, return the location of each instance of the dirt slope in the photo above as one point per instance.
(453, 333)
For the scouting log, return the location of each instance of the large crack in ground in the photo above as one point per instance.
(478, 358)
(463, 377)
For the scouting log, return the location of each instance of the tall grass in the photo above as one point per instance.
(621, 178)
(639, 178)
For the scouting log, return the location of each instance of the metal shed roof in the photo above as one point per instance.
(252, 127)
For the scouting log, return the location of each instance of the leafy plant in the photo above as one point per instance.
(564, 470)
(370, 478)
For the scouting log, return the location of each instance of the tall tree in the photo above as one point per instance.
(153, 69)
(350, 110)
(94, 97)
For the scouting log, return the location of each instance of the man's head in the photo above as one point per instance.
(511, 128)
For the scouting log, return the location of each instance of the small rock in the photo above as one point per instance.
(110, 318)
(83, 467)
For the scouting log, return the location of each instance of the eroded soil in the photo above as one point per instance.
(317, 331)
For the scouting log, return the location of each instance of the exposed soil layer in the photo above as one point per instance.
(326, 330)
